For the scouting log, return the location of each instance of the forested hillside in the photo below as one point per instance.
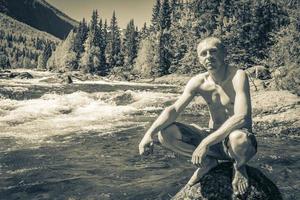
(40, 15)
(21, 45)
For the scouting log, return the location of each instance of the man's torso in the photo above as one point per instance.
(220, 98)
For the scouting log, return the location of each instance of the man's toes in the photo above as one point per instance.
(240, 191)
(243, 188)
(235, 189)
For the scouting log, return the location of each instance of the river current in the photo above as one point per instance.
(80, 141)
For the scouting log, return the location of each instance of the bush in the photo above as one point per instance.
(288, 78)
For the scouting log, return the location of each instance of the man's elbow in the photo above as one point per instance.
(241, 119)
(171, 112)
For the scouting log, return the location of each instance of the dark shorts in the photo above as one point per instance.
(192, 134)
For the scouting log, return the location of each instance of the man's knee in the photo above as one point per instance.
(241, 141)
(166, 135)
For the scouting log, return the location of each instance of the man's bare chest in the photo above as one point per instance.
(219, 96)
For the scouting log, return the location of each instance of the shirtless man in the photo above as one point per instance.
(226, 92)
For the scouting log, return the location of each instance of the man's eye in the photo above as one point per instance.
(203, 53)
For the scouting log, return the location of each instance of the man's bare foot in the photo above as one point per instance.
(240, 181)
(198, 174)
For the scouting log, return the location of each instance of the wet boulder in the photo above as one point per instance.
(124, 98)
(216, 185)
(21, 75)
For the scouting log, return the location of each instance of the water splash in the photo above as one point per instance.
(63, 114)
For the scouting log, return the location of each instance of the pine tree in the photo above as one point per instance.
(44, 56)
(206, 12)
(144, 32)
(115, 55)
(163, 54)
(130, 43)
(102, 70)
(165, 15)
(4, 61)
(80, 38)
(155, 15)
(94, 21)
(89, 61)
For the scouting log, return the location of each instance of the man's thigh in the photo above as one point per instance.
(191, 133)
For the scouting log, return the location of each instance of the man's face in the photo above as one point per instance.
(210, 56)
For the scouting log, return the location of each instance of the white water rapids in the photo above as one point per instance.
(63, 114)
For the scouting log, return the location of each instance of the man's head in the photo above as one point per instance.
(211, 53)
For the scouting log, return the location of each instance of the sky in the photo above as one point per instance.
(139, 10)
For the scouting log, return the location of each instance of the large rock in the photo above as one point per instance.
(260, 72)
(216, 185)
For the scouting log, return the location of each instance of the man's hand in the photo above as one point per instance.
(199, 154)
(146, 145)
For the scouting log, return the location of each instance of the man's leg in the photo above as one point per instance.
(172, 138)
(241, 148)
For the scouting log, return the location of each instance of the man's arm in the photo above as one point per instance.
(242, 111)
(169, 115)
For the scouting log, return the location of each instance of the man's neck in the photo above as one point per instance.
(219, 76)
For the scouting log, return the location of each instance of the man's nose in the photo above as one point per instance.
(208, 55)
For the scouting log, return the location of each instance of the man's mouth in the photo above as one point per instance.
(209, 63)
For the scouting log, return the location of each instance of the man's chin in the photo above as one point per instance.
(210, 68)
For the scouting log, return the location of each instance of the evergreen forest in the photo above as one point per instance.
(255, 32)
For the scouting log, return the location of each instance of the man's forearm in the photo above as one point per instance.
(233, 123)
(167, 117)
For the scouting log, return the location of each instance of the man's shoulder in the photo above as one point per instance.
(196, 81)
(240, 80)
(199, 78)
(239, 75)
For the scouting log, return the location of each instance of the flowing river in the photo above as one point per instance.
(80, 141)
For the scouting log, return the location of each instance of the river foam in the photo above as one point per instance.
(78, 112)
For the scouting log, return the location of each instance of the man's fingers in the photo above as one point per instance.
(244, 188)
(197, 160)
(144, 151)
(194, 159)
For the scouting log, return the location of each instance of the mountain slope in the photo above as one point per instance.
(40, 15)
(14, 27)
(22, 44)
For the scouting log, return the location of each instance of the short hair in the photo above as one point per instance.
(218, 42)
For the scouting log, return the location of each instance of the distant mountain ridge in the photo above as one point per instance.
(40, 15)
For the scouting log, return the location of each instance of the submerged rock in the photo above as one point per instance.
(21, 75)
(216, 185)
